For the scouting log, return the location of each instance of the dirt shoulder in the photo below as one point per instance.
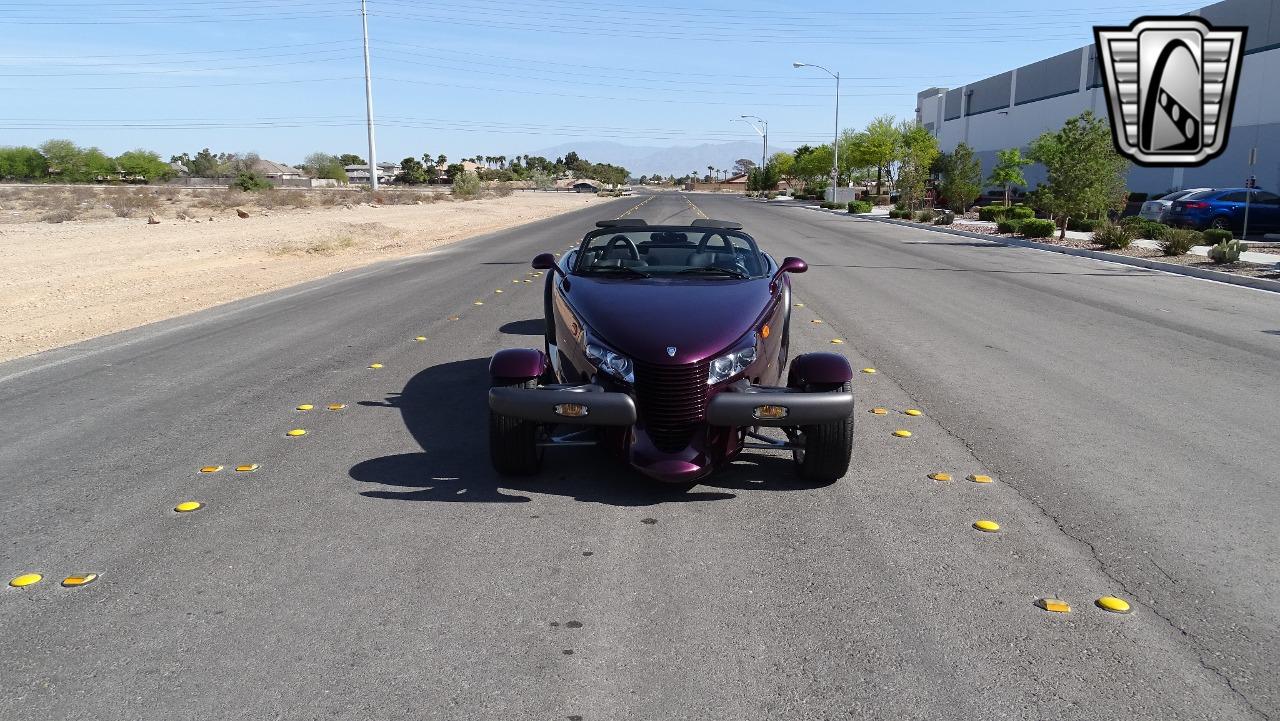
(64, 282)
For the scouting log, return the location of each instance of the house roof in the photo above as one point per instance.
(739, 178)
(270, 167)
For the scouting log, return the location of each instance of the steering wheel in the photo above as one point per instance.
(620, 240)
(706, 237)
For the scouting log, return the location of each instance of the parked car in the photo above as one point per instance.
(667, 344)
(1224, 208)
(1157, 209)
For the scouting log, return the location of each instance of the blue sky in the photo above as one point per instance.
(497, 77)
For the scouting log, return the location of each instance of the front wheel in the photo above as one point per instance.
(827, 447)
(513, 442)
(1220, 223)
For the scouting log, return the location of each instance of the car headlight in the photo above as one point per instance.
(615, 364)
(730, 365)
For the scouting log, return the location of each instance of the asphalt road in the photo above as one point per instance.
(377, 568)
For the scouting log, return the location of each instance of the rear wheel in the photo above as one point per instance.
(513, 442)
(827, 447)
(1220, 223)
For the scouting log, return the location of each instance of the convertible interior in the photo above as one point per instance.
(670, 252)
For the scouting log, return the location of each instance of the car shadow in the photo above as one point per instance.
(533, 326)
(444, 409)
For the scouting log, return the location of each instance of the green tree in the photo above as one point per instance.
(325, 166)
(961, 177)
(784, 164)
(1008, 170)
(916, 153)
(466, 184)
(351, 159)
(541, 180)
(412, 172)
(881, 146)
(814, 167)
(22, 163)
(1085, 174)
(249, 181)
(144, 165)
(204, 165)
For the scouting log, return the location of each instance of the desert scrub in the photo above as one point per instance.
(1227, 251)
(1180, 241)
(1151, 230)
(128, 202)
(925, 216)
(466, 185)
(1214, 236)
(1112, 236)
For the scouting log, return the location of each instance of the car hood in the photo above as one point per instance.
(641, 318)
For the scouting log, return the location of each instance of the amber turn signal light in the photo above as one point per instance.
(770, 412)
(571, 410)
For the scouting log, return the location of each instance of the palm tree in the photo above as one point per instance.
(442, 160)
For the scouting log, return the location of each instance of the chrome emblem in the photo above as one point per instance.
(671, 351)
(1170, 85)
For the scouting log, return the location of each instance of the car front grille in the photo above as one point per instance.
(671, 401)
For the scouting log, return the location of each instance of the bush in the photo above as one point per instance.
(1227, 251)
(1214, 236)
(1179, 241)
(925, 216)
(945, 218)
(1113, 236)
(127, 202)
(466, 185)
(991, 213)
(1019, 212)
(1037, 228)
(502, 189)
(859, 206)
(1152, 230)
(1009, 226)
(58, 215)
(882, 200)
(1133, 222)
(1085, 225)
(250, 182)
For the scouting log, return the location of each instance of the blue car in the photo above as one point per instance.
(1224, 209)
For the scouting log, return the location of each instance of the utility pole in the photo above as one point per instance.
(763, 133)
(835, 144)
(368, 98)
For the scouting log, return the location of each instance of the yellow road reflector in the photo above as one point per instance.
(986, 526)
(479, 302)
(526, 280)
(297, 432)
(815, 320)
(188, 506)
(211, 469)
(305, 407)
(977, 478)
(517, 280)
(336, 406)
(799, 305)
(940, 476)
(454, 317)
(902, 433)
(247, 468)
(25, 579)
(80, 579)
(837, 341)
(375, 366)
(1053, 604)
(912, 412)
(880, 411)
(869, 370)
(1113, 604)
(497, 291)
(421, 339)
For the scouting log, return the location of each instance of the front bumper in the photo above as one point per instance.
(736, 406)
(603, 408)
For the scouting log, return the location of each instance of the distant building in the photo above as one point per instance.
(739, 179)
(387, 173)
(272, 170)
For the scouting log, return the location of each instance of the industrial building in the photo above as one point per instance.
(1014, 107)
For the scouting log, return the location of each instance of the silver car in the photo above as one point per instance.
(1157, 209)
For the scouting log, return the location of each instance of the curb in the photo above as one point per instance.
(1214, 275)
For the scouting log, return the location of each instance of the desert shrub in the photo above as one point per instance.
(1152, 230)
(128, 202)
(770, 195)
(1009, 226)
(250, 182)
(1133, 222)
(1179, 241)
(859, 206)
(501, 189)
(991, 213)
(946, 217)
(1227, 251)
(328, 198)
(1112, 235)
(1085, 225)
(466, 185)
(60, 214)
(295, 198)
(925, 216)
(1038, 228)
(1019, 212)
(1214, 236)
(882, 200)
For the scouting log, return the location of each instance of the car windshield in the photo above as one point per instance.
(686, 252)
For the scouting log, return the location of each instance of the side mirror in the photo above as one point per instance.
(789, 265)
(544, 261)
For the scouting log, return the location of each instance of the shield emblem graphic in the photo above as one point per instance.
(671, 351)
(1170, 85)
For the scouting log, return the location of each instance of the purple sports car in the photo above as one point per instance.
(667, 344)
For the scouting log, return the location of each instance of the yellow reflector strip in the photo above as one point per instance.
(188, 506)
(980, 479)
(375, 366)
(211, 469)
(336, 406)
(79, 579)
(247, 468)
(902, 433)
(305, 407)
(837, 341)
(815, 320)
(421, 338)
(1054, 605)
(25, 579)
(571, 410)
(868, 370)
(771, 412)
(986, 526)
(880, 411)
(940, 476)
(297, 432)
(1113, 604)
(913, 412)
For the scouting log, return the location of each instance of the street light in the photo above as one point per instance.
(835, 144)
(764, 154)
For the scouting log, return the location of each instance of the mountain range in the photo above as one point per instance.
(674, 160)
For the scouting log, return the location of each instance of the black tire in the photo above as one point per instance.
(1220, 223)
(828, 447)
(513, 442)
